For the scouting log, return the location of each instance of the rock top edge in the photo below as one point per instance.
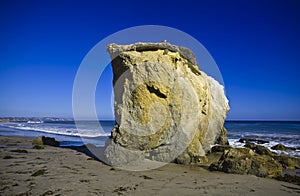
(115, 49)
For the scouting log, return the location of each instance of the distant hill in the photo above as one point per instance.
(26, 119)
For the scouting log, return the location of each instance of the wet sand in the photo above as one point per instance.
(65, 171)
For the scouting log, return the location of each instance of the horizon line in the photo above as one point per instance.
(112, 119)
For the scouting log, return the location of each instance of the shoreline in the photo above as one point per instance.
(60, 170)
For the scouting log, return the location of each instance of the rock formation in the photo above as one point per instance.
(282, 147)
(166, 108)
(246, 161)
(259, 149)
(39, 142)
(258, 141)
(253, 159)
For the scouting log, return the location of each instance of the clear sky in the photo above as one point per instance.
(255, 44)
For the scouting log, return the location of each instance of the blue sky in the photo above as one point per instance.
(255, 44)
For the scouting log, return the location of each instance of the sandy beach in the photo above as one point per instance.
(64, 171)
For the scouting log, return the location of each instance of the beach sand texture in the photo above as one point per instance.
(63, 171)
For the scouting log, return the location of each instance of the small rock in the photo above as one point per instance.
(282, 147)
(259, 149)
(39, 142)
(246, 140)
(219, 148)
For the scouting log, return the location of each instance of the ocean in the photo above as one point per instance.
(272, 132)
(64, 131)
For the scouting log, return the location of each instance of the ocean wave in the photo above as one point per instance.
(58, 130)
(289, 139)
(295, 153)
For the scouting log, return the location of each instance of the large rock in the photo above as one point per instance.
(165, 107)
